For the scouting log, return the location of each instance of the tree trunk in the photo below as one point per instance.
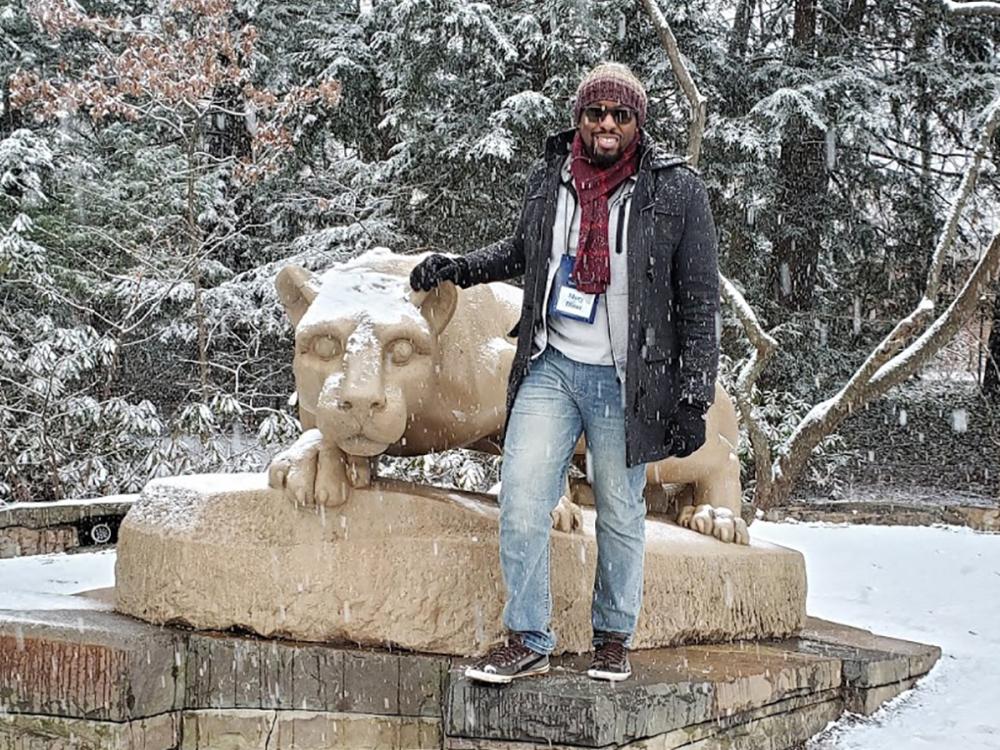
(802, 187)
(228, 137)
(991, 374)
(10, 118)
(194, 236)
(741, 30)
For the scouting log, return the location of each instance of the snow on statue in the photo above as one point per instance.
(382, 369)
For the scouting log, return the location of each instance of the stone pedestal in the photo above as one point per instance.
(416, 567)
(95, 680)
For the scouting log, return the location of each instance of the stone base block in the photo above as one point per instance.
(218, 729)
(875, 668)
(92, 680)
(416, 567)
(16, 541)
(677, 695)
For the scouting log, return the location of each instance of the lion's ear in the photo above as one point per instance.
(297, 288)
(438, 305)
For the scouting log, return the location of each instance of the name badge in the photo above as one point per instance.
(566, 299)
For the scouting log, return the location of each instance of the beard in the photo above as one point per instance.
(601, 160)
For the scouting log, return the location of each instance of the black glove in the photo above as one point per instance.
(686, 429)
(436, 268)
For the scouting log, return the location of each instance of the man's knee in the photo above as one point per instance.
(621, 506)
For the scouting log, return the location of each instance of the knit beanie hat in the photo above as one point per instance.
(614, 82)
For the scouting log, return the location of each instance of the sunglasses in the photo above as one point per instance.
(596, 115)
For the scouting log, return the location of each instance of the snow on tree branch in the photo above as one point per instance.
(985, 273)
(972, 8)
(764, 344)
(881, 370)
(965, 190)
(905, 329)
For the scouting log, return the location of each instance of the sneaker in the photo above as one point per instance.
(506, 663)
(610, 662)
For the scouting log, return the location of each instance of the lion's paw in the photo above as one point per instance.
(310, 472)
(567, 516)
(721, 523)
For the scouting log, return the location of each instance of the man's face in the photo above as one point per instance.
(605, 139)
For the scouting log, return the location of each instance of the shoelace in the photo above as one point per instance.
(610, 654)
(505, 655)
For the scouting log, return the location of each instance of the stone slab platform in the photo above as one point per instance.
(90, 679)
(411, 566)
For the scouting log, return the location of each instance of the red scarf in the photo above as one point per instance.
(592, 267)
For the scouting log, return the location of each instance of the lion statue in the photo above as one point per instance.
(380, 368)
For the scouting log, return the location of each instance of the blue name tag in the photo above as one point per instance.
(566, 300)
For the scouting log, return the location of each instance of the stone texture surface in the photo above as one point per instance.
(225, 672)
(16, 541)
(85, 679)
(105, 666)
(418, 568)
(247, 729)
(223, 729)
(671, 689)
(87, 664)
(784, 728)
(875, 668)
(778, 726)
(63, 512)
(43, 528)
(27, 732)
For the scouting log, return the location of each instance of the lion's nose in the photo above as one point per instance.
(362, 391)
(358, 402)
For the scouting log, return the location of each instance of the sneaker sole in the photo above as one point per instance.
(502, 679)
(597, 674)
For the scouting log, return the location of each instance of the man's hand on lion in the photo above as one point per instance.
(311, 472)
(438, 268)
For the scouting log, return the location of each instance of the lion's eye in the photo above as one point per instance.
(400, 351)
(325, 347)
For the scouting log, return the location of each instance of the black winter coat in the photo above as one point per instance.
(674, 317)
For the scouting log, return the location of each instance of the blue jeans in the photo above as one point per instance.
(558, 399)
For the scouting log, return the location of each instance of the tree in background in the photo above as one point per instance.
(903, 351)
(154, 94)
(444, 105)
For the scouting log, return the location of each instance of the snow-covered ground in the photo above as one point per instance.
(935, 585)
(42, 581)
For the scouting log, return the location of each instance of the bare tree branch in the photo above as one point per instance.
(826, 415)
(972, 8)
(965, 189)
(699, 104)
(764, 346)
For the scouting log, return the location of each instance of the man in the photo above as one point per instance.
(618, 339)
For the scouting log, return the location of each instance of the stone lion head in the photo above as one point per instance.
(367, 351)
